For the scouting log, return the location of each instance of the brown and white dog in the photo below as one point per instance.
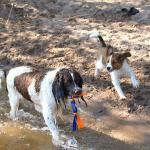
(45, 89)
(115, 62)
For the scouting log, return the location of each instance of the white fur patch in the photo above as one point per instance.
(117, 74)
(33, 94)
(99, 63)
(110, 62)
(73, 80)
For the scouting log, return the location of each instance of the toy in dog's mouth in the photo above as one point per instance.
(79, 96)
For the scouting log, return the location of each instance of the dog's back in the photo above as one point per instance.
(14, 72)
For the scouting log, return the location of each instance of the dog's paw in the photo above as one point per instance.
(122, 97)
(13, 117)
(58, 142)
(136, 83)
(71, 144)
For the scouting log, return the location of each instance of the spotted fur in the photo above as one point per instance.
(118, 66)
(23, 81)
(45, 89)
(116, 60)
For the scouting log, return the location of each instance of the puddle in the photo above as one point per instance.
(29, 132)
(14, 136)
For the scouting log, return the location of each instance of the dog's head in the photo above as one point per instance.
(115, 60)
(67, 82)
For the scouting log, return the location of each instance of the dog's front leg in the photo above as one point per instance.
(50, 122)
(99, 65)
(134, 80)
(115, 80)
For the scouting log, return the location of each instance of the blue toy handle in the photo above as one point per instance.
(73, 105)
(74, 125)
(77, 123)
(74, 109)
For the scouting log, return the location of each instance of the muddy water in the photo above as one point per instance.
(14, 136)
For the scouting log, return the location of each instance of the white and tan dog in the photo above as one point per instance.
(118, 66)
(46, 90)
(115, 62)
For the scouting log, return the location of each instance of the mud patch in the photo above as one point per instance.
(16, 136)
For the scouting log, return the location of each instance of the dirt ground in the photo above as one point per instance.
(52, 33)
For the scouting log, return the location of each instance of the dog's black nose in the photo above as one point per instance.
(108, 68)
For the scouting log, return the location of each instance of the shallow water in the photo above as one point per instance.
(28, 132)
(17, 135)
(14, 136)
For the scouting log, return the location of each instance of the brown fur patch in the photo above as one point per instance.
(23, 81)
(118, 59)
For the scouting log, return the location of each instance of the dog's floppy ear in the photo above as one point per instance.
(58, 89)
(124, 55)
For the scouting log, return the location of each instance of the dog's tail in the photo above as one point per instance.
(2, 77)
(94, 34)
